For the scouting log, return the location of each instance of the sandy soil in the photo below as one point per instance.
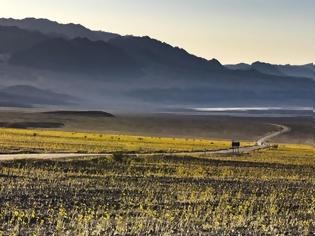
(190, 126)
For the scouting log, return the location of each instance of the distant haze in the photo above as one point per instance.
(235, 31)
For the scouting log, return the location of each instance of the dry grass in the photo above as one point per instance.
(59, 141)
(266, 192)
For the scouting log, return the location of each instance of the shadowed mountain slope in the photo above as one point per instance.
(77, 55)
(13, 39)
(150, 52)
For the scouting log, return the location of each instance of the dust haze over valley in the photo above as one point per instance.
(44, 63)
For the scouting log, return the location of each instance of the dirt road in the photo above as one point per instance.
(260, 144)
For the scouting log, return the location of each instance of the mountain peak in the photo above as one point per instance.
(215, 61)
(266, 68)
(49, 27)
(261, 63)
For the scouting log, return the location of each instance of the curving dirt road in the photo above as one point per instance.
(263, 140)
(260, 144)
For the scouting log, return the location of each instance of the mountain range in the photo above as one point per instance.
(105, 69)
(307, 71)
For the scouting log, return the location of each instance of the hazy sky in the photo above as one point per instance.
(277, 31)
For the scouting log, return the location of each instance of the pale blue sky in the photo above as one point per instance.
(277, 31)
